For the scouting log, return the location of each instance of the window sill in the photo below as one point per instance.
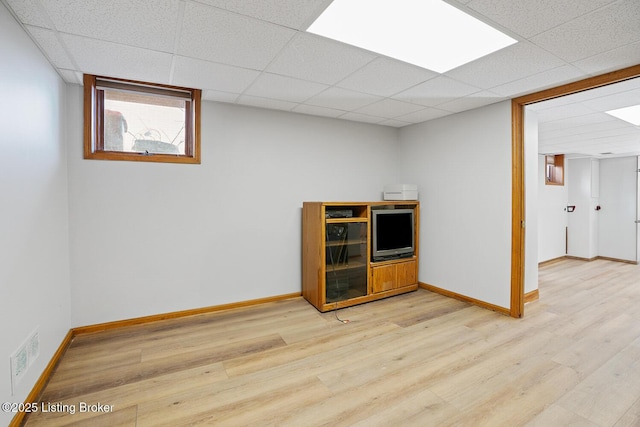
(135, 157)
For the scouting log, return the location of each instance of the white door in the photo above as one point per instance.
(618, 235)
(581, 216)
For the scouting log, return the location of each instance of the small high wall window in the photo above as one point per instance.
(554, 169)
(129, 120)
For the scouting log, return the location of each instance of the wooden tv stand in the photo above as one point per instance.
(337, 269)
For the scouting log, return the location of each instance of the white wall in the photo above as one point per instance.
(462, 165)
(552, 216)
(152, 238)
(610, 232)
(34, 257)
(583, 221)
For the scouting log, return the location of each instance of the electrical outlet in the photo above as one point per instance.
(23, 358)
(19, 366)
(33, 347)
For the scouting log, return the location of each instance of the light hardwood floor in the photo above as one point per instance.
(418, 359)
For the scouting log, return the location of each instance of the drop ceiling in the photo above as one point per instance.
(578, 125)
(257, 53)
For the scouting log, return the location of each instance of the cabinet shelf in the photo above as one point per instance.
(339, 220)
(347, 266)
(392, 261)
(347, 243)
(337, 270)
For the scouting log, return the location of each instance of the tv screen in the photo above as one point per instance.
(393, 234)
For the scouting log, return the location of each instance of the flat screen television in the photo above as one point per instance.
(392, 233)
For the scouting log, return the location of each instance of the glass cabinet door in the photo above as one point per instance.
(345, 261)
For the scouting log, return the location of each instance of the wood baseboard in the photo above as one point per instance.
(553, 261)
(580, 258)
(617, 260)
(465, 298)
(177, 314)
(532, 296)
(39, 386)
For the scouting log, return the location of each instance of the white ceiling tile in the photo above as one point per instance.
(564, 111)
(512, 63)
(219, 96)
(577, 123)
(220, 36)
(458, 3)
(436, 91)
(546, 79)
(273, 104)
(318, 59)
(148, 24)
(631, 136)
(395, 123)
(608, 28)
(424, 115)
(386, 77)
(116, 60)
(30, 12)
(623, 133)
(342, 99)
(613, 102)
(606, 142)
(611, 60)
(560, 124)
(533, 17)
(469, 102)
(603, 138)
(71, 76)
(317, 111)
(622, 88)
(249, 51)
(284, 88)
(551, 103)
(357, 117)
(389, 108)
(201, 74)
(576, 98)
(564, 128)
(290, 13)
(50, 45)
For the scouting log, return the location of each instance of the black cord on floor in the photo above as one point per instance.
(335, 311)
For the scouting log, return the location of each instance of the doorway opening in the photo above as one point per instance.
(521, 260)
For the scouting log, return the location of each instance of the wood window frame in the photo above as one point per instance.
(554, 169)
(94, 126)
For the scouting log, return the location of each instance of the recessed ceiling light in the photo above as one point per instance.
(429, 33)
(628, 114)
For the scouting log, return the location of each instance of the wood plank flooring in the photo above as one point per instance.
(418, 359)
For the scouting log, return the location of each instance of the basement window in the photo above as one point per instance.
(129, 120)
(554, 169)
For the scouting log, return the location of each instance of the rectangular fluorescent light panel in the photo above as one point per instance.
(628, 114)
(429, 33)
